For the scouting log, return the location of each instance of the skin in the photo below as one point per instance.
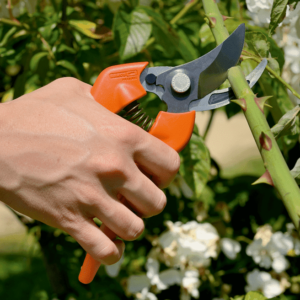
(65, 159)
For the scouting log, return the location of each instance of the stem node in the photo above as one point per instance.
(210, 21)
(265, 141)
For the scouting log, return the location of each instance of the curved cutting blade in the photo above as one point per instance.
(222, 97)
(205, 73)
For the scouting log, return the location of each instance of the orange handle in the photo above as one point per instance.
(115, 88)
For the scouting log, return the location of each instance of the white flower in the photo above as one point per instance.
(113, 270)
(262, 281)
(190, 284)
(282, 242)
(178, 186)
(137, 283)
(230, 248)
(269, 251)
(279, 263)
(259, 254)
(264, 233)
(260, 11)
(145, 295)
(191, 244)
(255, 6)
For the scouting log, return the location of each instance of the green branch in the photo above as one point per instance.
(277, 172)
(185, 9)
(270, 70)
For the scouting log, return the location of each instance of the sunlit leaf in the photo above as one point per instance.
(8, 95)
(277, 14)
(85, 27)
(254, 296)
(132, 29)
(35, 60)
(288, 124)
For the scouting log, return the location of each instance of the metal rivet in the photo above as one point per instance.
(180, 83)
(150, 79)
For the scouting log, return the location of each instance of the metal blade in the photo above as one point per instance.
(222, 97)
(203, 74)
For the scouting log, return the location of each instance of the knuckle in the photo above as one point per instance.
(129, 134)
(160, 203)
(109, 252)
(67, 81)
(110, 166)
(174, 162)
(135, 230)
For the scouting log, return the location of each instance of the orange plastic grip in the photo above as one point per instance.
(118, 86)
(115, 88)
(175, 129)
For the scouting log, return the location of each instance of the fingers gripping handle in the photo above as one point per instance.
(115, 88)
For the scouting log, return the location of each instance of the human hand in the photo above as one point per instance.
(65, 159)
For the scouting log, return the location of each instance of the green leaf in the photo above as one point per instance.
(64, 47)
(277, 14)
(185, 47)
(19, 86)
(132, 30)
(36, 59)
(10, 22)
(69, 66)
(85, 27)
(238, 298)
(258, 43)
(8, 35)
(288, 124)
(8, 95)
(47, 30)
(296, 171)
(195, 164)
(164, 34)
(254, 296)
(274, 65)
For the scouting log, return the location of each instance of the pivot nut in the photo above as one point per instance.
(180, 83)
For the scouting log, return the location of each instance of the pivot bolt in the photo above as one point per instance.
(150, 79)
(180, 83)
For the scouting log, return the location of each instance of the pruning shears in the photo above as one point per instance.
(185, 89)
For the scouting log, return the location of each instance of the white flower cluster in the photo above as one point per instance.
(287, 35)
(185, 249)
(268, 250)
(262, 281)
(140, 285)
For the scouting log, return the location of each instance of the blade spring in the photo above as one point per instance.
(137, 116)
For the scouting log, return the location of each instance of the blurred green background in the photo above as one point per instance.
(41, 41)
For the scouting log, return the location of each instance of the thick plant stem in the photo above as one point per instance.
(273, 160)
